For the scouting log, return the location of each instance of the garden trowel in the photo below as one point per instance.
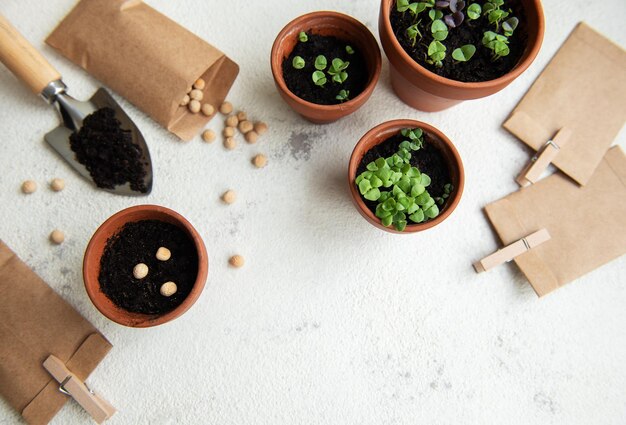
(32, 68)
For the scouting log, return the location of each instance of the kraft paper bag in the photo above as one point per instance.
(583, 88)
(145, 57)
(34, 323)
(587, 224)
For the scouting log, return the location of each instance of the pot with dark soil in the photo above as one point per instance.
(325, 65)
(145, 266)
(405, 176)
(444, 52)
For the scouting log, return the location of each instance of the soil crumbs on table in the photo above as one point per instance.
(138, 242)
(428, 160)
(300, 81)
(480, 67)
(108, 152)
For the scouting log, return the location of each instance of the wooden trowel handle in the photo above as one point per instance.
(17, 54)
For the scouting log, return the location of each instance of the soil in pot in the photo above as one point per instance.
(481, 66)
(138, 242)
(300, 81)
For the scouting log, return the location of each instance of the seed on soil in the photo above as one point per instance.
(229, 196)
(236, 261)
(232, 121)
(194, 106)
(226, 108)
(185, 100)
(29, 186)
(242, 116)
(208, 136)
(230, 143)
(196, 94)
(260, 127)
(199, 84)
(228, 132)
(163, 254)
(140, 271)
(259, 161)
(251, 136)
(208, 109)
(57, 184)
(245, 126)
(57, 237)
(168, 289)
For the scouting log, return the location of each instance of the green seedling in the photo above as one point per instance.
(509, 26)
(343, 95)
(298, 62)
(447, 191)
(439, 30)
(473, 11)
(337, 70)
(303, 37)
(319, 78)
(349, 50)
(435, 14)
(415, 8)
(321, 63)
(436, 53)
(412, 33)
(464, 53)
(497, 43)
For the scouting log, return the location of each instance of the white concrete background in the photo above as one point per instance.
(331, 321)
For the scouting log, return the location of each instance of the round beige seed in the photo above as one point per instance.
(208, 109)
(245, 126)
(226, 108)
(259, 161)
(251, 136)
(232, 121)
(196, 94)
(230, 143)
(140, 271)
(168, 289)
(163, 254)
(57, 184)
(57, 237)
(229, 197)
(242, 116)
(199, 84)
(194, 106)
(236, 261)
(208, 136)
(185, 100)
(29, 186)
(228, 132)
(260, 127)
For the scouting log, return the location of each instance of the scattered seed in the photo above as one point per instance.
(208, 136)
(57, 237)
(245, 126)
(230, 143)
(199, 84)
(185, 100)
(168, 289)
(196, 94)
(163, 254)
(251, 136)
(57, 184)
(236, 261)
(29, 186)
(140, 271)
(259, 161)
(226, 108)
(229, 196)
(232, 121)
(228, 132)
(208, 109)
(260, 127)
(194, 106)
(242, 116)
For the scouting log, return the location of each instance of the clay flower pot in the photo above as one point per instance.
(334, 24)
(95, 249)
(421, 89)
(381, 133)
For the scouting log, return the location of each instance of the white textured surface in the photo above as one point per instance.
(331, 321)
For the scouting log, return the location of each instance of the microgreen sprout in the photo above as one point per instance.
(303, 37)
(415, 8)
(413, 32)
(349, 50)
(509, 26)
(336, 70)
(298, 62)
(439, 30)
(464, 53)
(320, 63)
(319, 78)
(434, 14)
(447, 190)
(436, 53)
(493, 11)
(497, 43)
(343, 95)
(473, 11)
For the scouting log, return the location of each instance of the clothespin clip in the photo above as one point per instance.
(539, 163)
(509, 252)
(99, 409)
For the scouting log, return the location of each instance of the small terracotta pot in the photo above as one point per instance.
(386, 130)
(95, 249)
(421, 89)
(334, 24)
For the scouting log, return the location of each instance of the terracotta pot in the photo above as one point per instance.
(381, 133)
(95, 249)
(343, 27)
(421, 89)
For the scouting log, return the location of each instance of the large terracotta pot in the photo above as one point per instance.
(325, 23)
(95, 249)
(421, 89)
(381, 133)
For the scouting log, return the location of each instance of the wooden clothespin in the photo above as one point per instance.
(509, 252)
(539, 163)
(99, 409)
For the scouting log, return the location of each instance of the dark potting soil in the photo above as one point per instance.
(138, 242)
(300, 82)
(429, 160)
(480, 67)
(108, 152)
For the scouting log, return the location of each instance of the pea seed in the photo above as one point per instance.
(57, 237)
(259, 161)
(228, 132)
(236, 261)
(232, 121)
(208, 136)
(57, 184)
(260, 127)
(245, 126)
(251, 136)
(208, 109)
(226, 108)
(185, 100)
(199, 84)
(230, 143)
(163, 254)
(168, 289)
(196, 94)
(29, 186)
(194, 106)
(242, 116)
(229, 197)
(140, 271)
